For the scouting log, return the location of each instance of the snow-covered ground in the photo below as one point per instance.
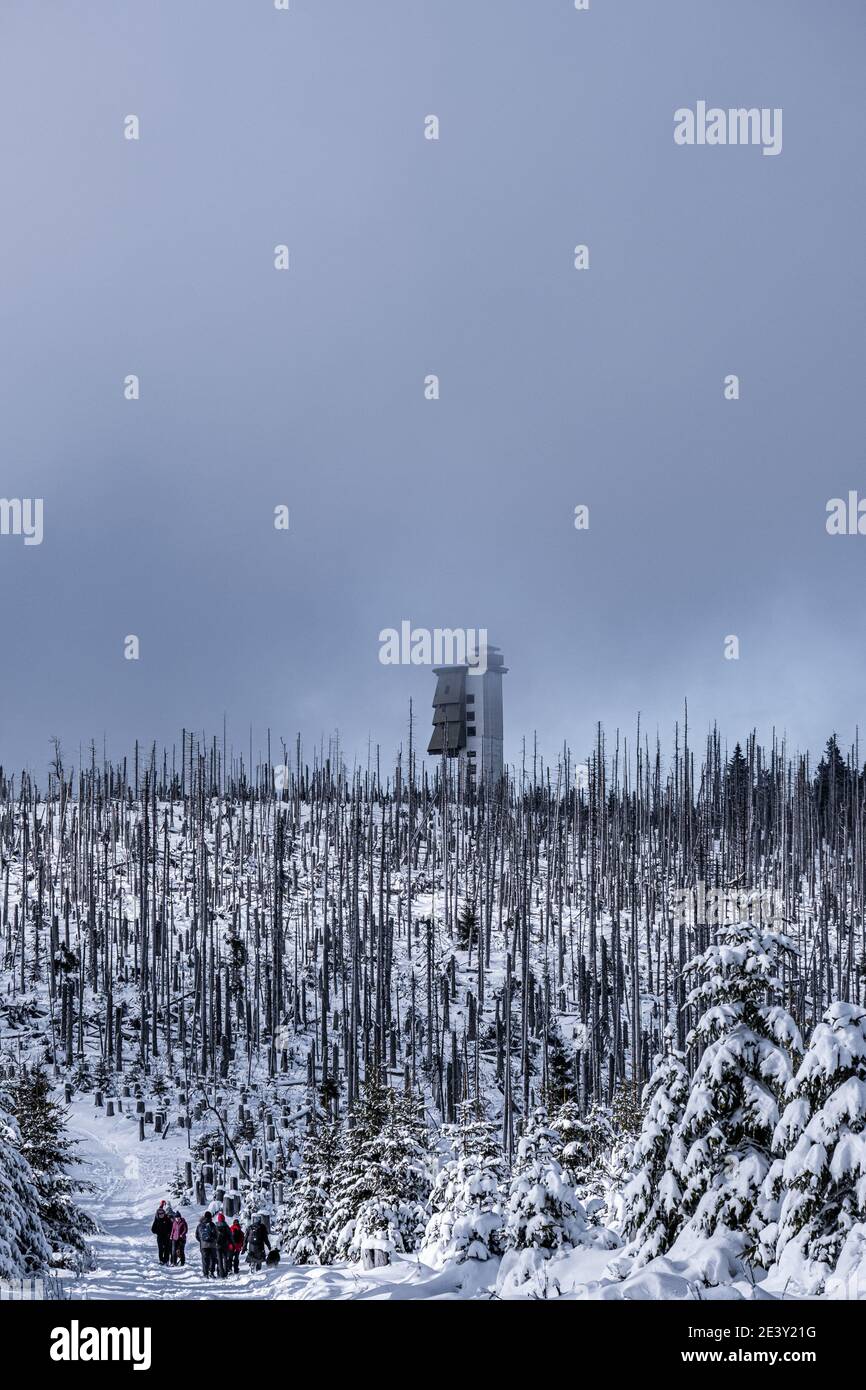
(131, 1177)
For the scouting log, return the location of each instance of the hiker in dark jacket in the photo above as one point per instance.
(236, 1244)
(205, 1234)
(222, 1245)
(255, 1243)
(161, 1228)
(179, 1230)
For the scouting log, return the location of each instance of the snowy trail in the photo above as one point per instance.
(130, 1179)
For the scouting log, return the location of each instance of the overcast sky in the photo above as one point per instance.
(409, 257)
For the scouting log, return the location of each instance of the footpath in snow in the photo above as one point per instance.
(130, 1179)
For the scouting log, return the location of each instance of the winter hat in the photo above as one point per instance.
(220, 1216)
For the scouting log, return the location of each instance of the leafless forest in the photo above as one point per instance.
(302, 928)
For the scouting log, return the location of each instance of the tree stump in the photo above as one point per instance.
(109, 1108)
(97, 1099)
(140, 1127)
(375, 1259)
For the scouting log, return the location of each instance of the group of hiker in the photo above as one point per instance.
(221, 1244)
(170, 1230)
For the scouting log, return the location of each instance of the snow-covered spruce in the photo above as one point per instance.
(652, 1196)
(24, 1248)
(584, 1139)
(721, 1151)
(597, 1150)
(543, 1215)
(471, 1135)
(627, 1112)
(470, 1223)
(821, 1173)
(558, 1087)
(49, 1152)
(384, 1174)
(303, 1222)
(468, 1199)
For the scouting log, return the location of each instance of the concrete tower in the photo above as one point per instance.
(467, 716)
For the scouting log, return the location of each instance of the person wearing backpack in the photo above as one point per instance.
(256, 1242)
(205, 1234)
(236, 1245)
(223, 1241)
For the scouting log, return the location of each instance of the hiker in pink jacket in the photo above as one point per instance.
(179, 1230)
